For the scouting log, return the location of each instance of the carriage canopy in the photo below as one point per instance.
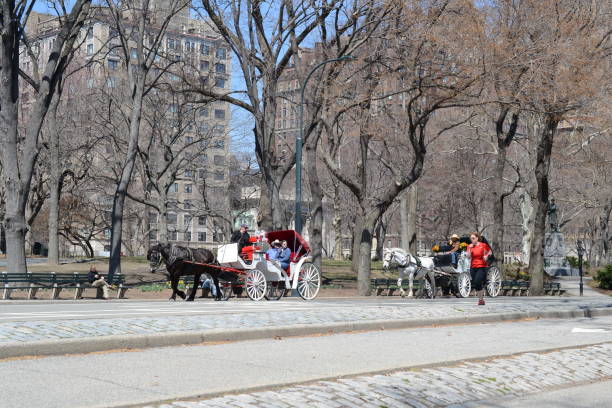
(296, 243)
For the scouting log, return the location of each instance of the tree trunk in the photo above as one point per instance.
(355, 242)
(404, 220)
(337, 225)
(497, 235)
(527, 219)
(544, 150)
(412, 219)
(364, 254)
(162, 222)
(124, 181)
(316, 202)
(54, 186)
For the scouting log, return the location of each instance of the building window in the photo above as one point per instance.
(186, 220)
(189, 46)
(219, 160)
(188, 188)
(153, 235)
(220, 68)
(174, 77)
(173, 108)
(220, 83)
(90, 83)
(111, 82)
(189, 173)
(219, 144)
(203, 112)
(173, 188)
(219, 176)
(187, 205)
(204, 65)
(187, 235)
(90, 49)
(219, 114)
(171, 43)
(188, 139)
(133, 53)
(202, 220)
(202, 172)
(113, 64)
(90, 33)
(202, 236)
(221, 53)
(171, 219)
(172, 235)
(204, 49)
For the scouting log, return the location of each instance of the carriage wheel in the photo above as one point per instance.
(276, 290)
(226, 290)
(493, 281)
(256, 285)
(309, 281)
(464, 285)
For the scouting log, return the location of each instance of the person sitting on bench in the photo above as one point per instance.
(97, 281)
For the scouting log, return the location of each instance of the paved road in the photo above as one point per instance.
(27, 322)
(33, 261)
(175, 373)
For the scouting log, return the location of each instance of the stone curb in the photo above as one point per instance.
(178, 338)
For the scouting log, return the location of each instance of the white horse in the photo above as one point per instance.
(409, 266)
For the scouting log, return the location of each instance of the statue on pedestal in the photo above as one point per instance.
(552, 216)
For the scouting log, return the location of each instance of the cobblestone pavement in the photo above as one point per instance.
(455, 386)
(225, 315)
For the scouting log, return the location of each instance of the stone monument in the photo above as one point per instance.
(555, 263)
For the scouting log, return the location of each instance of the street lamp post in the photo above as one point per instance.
(580, 250)
(299, 144)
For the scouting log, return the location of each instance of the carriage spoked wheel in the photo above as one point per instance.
(493, 281)
(309, 281)
(255, 284)
(276, 290)
(464, 285)
(226, 290)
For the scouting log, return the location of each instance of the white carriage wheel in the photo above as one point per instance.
(309, 281)
(464, 285)
(493, 281)
(256, 285)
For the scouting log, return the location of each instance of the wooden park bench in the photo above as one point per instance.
(56, 282)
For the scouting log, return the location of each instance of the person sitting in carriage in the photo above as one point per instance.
(454, 251)
(280, 253)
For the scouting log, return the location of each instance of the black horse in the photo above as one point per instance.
(174, 256)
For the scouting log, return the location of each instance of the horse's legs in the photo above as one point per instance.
(175, 290)
(399, 284)
(410, 282)
(432, 281)
(194, 289)
(217, 288)
(174, 286)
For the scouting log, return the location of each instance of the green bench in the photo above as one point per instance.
(521, 288)
(56, 282)
(381, 285)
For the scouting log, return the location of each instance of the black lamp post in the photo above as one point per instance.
(580, 250)
(299, 144)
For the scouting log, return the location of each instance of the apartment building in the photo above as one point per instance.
(190, 50)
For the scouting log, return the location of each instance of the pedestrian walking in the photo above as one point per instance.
(478, 252)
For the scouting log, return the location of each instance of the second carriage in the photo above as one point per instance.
(251, 271)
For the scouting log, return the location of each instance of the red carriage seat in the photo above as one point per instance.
(296, 243)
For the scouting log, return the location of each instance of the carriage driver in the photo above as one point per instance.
(241, 237)
(454, 252)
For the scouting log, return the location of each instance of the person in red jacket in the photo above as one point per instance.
(478, 252)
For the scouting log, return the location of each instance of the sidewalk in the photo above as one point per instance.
(235, 321)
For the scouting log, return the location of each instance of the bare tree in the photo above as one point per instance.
(139, 45)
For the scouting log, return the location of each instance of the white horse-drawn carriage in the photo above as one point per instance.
(438, 272)
(260, 277)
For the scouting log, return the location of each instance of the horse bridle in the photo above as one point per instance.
(154, 265)
(403, 264)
